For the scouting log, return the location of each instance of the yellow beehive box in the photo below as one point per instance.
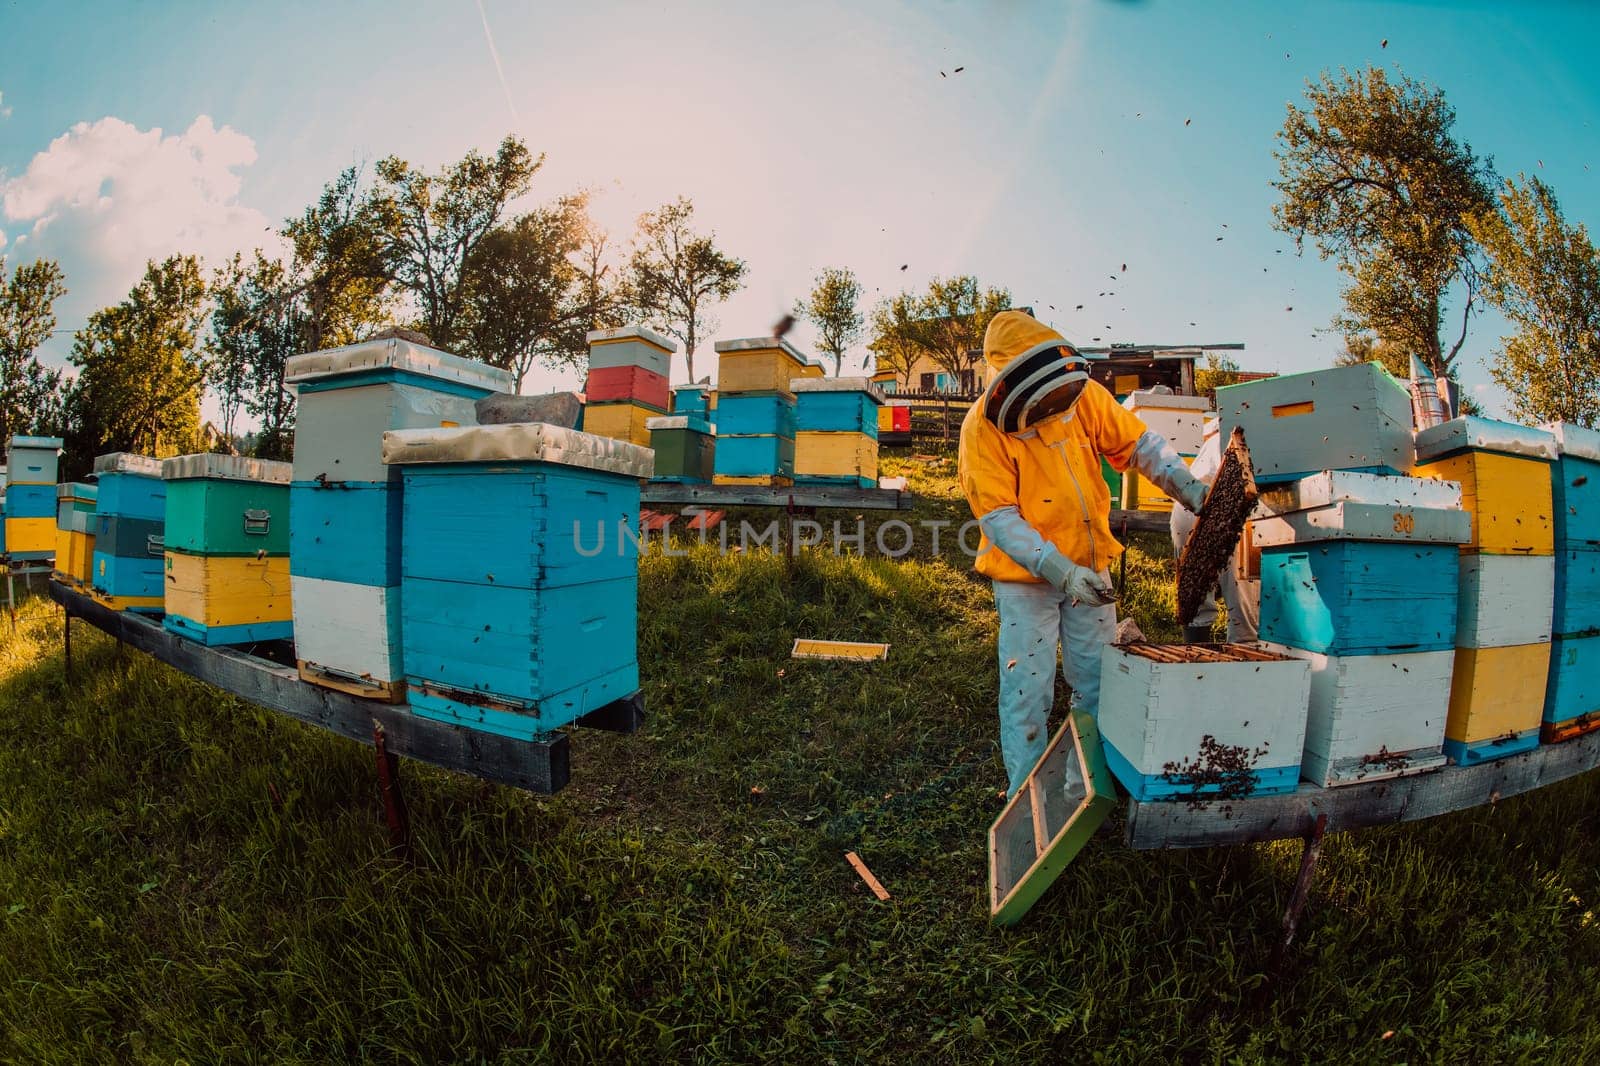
(219, 591)
(33, 535)
(812, 370)
(1139, 494)
(758, 364)
(843, 456)
(74, 557)
(1496, 701)
(764, 480)
(619, 421)
(1504, 471)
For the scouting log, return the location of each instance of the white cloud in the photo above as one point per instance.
(106, 196)
(5, 112)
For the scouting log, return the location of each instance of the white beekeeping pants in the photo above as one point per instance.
(1035, 620)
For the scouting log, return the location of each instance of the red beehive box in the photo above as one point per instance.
(631, 383)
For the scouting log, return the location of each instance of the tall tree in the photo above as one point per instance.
(338, 273)
(1544, 275)
(1371, 172)
(955, 312)
(896, 339)
(432, 223)
(1364, 347)
(675, 275)
(30, 392)
(528, 299)
(833, 312)
(140, 367)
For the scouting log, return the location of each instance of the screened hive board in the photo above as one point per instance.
(1049, 820)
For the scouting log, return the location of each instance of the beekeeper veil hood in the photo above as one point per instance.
(1033, 372)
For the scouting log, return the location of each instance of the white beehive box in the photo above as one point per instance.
(348, 630)
(1185, 720)
(1506, 600)
(1350, 505)
(1180, 419)
(1374, 716)
(631, 346)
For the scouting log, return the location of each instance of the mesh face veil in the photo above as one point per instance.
(1036, 385)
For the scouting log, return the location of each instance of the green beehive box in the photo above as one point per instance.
(226, 505)
(1113, 481)
(685, 448)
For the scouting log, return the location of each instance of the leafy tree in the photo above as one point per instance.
(1371, 172)
(30, 392)
(675, 275)
(1544, 275)
(338, 273)
(432, 224)
(832, 310)
(531, 298)
(1369, 348)
(896, 339)
(954, 314)
(140, 368)
(1221, 370)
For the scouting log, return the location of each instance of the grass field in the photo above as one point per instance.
(186, 878)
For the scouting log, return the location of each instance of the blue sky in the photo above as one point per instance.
(808, 135)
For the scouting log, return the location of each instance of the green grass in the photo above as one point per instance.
(186, 878)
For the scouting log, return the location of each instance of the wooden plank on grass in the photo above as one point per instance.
(848, 650)
(1356, 806)
(866, 875)
(541, 765)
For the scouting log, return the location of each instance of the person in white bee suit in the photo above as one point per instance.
(1030, 468)
(1242, 596)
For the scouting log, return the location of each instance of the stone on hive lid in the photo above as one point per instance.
(556, 409)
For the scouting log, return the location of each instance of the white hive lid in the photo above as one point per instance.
(226, 468)
(1574, 440)
(694, 422)
(631, 333)
(1169, 400)
(127, 463)
(48, 443)
(838, 385)
(761, 344)
(1485, 434)
(394, 353)
(518, 442)
(76, 490)
(1350, 486)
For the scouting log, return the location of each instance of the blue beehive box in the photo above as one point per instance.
(1347, 597)
(691, 400)
(1575, 486)
(30, 501)
(744, 414)
(519, 590)
(754, 457)
(1572, 697)
(1577, 595)
(129, 546)
(836, 405)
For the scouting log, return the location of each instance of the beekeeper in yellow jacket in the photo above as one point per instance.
(1030, 467)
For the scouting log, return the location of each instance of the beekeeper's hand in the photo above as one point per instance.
(1163, 467)
(1080, 584)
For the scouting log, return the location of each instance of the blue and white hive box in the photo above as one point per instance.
(1359, 579)
(345, 504)
(32, 460)
(1187, 721)
(520, 586)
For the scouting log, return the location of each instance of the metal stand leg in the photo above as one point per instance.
(394, 804)
(66, 630)
(1302, 891)
(11, 596)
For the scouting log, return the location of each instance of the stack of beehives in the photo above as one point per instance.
(130, 512)
(1180, 419)
(755, 411)
(345, 519)
(1507, 581)
(227, 549)
(75, 533)
(1572, 702)
(1357, 568)
(30, 515)
(836, 438)
(627, 383)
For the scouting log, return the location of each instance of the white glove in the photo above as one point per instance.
(1081, 584)
(1155, 459)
